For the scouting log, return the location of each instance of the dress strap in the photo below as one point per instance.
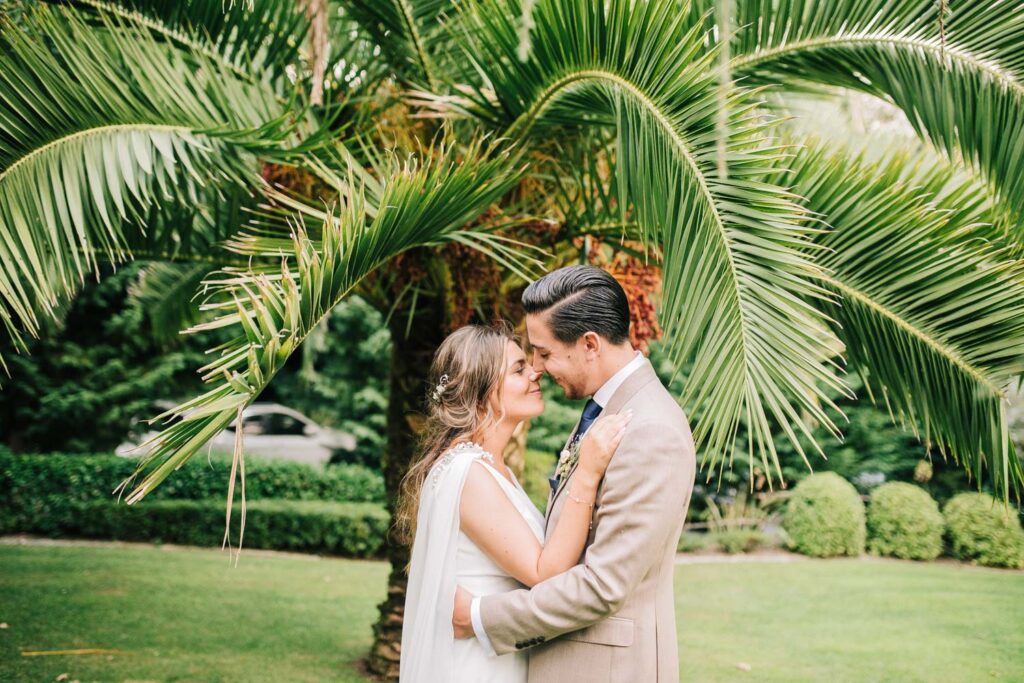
(496, 473)
(461, 449)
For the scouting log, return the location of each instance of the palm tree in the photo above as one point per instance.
(193, 136)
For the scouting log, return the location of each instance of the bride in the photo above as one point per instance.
(471, 521)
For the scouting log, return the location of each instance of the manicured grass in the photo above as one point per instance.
(186, 615)
(850, 620)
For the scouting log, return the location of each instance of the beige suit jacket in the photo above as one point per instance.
(612, 617)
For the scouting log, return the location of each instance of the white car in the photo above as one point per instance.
(269, 430)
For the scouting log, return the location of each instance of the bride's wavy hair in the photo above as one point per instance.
(473, 359)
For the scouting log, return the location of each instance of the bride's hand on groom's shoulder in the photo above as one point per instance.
(600, 443)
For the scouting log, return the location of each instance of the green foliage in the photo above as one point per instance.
(904, 521)
(410, 34)
(79, 387)
(730, 541)
(903, 235)
(209, 100)
(733, 541)
(42, 492)
(349, 529)
(256, 44)
(271, 310)
(691, 541)
(341, 378)
(873, 450)
(825, 517)
(756, 344)
(984, 531)
(81, 170)
(538, 467)
(959, 78)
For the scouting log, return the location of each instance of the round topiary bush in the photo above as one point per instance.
(905, 522)
(825, 517)
(984, 531)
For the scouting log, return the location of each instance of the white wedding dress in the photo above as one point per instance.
(443, 556)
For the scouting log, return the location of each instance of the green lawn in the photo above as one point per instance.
(185, 615)
(850, 620)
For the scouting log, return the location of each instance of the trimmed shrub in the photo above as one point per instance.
(984, 531)
(93, 477)
(346, 529)
(904, 521)
(825, 517)
(734, 541)
(691, 542)
(290, 506)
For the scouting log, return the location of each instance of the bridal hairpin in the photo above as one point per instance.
(439, 389)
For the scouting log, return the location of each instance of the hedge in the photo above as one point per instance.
(93, 477)
(346, 529)
(984, 531)
(904, 521)
(825, 517)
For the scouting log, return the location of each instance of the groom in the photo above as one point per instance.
(612, 616)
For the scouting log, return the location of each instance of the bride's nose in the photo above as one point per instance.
(535, 376)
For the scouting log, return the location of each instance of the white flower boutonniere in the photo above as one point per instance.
(567, 459)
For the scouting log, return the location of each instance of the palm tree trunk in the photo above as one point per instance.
(412, 350)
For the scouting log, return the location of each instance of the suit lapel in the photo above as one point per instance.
(636, 381)
(553, 494)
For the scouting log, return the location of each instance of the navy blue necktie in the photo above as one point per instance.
(590, 413)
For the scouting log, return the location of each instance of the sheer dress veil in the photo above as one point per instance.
(427, 634)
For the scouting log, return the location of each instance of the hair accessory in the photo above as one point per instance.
(439, 389)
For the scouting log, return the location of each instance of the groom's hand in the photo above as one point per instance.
(461, 621)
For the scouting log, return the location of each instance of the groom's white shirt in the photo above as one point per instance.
(601, 397)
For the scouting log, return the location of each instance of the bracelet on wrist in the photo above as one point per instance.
(576, 499)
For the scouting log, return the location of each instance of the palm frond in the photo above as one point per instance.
(166, 292)
(408, 32)
(256, 43)
(932, 315)
(961, 85)
(423, 203)
(737, 276)
(184, 244)
(99, 129)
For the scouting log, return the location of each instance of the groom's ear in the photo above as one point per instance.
(590, 343)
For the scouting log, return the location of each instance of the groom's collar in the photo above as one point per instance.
(603, 395)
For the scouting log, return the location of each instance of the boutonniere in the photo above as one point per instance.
(567, 459)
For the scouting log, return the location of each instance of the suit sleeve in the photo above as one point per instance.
(641, 503)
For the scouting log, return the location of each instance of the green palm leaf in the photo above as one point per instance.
(166, 292)
(408, 32)
(95, 131)
(274, 308)
(256, 42)
(962, 87)
(932, 316)
(737, 276)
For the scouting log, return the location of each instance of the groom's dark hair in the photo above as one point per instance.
(581, 299)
